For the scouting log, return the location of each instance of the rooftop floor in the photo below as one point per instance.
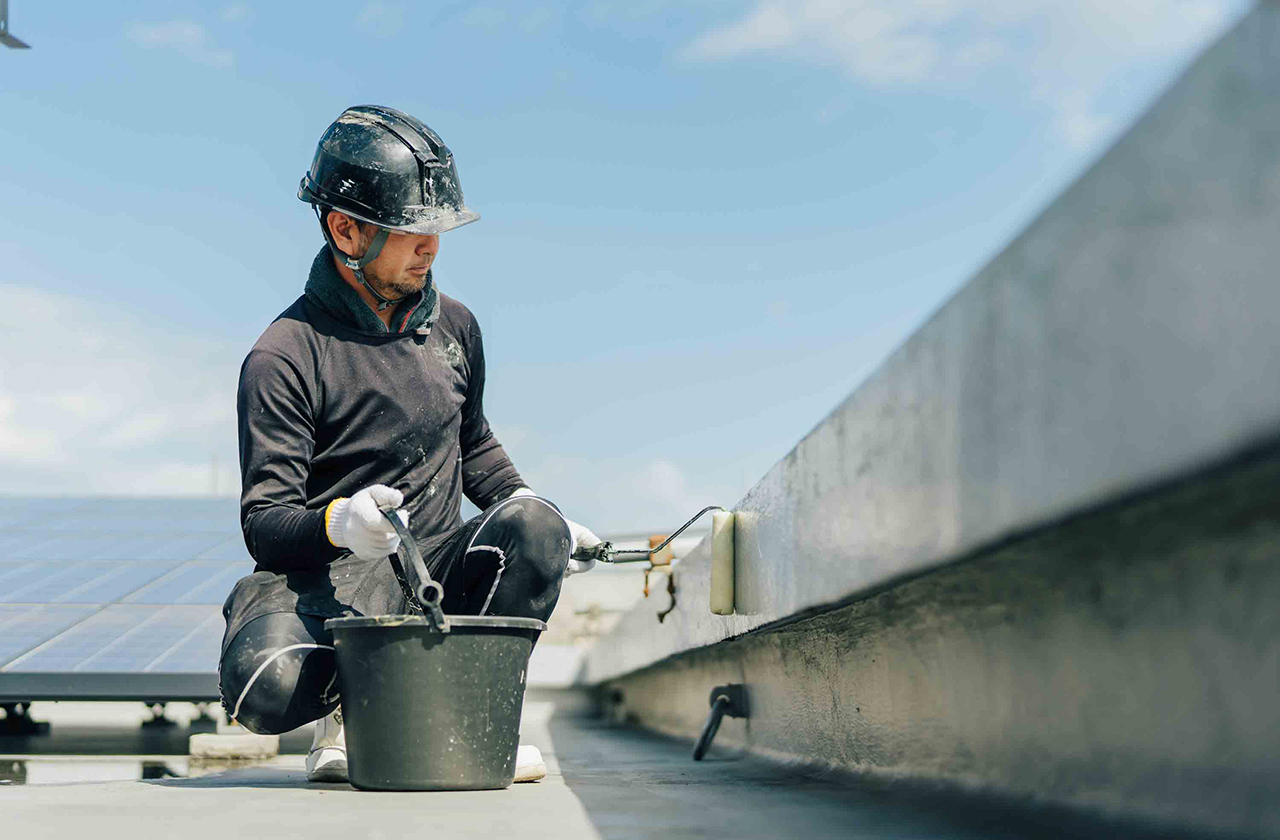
(603, 782)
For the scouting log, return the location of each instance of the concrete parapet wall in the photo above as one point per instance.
(1129, 336)
(1127, 660)
(1037, 550)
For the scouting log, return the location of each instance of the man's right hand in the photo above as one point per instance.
(357, 523)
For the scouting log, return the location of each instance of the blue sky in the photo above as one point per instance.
(703, 223)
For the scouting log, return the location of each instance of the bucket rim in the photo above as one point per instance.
(495, 621)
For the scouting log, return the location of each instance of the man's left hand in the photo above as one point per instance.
(580, 537)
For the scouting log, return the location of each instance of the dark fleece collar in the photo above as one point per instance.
(327, 289)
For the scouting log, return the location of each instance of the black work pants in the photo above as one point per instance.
(278, 671)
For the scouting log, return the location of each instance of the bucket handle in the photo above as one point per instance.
(426, 595)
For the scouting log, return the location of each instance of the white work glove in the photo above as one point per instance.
(578, 536)
(357, 523)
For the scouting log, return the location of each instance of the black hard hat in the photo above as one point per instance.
(381, 166)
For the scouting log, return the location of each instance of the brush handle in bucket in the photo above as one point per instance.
(423, 594)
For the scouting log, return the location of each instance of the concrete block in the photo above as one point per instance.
(234, 747)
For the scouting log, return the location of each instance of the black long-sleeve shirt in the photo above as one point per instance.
(327, 406)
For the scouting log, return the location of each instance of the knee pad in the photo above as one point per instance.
(539, 530)
(270, 691)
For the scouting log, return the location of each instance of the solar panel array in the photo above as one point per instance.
(127, 588)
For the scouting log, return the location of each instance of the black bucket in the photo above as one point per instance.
(426, 710)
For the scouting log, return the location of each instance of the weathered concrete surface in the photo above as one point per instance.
(1128, 336)
(240, 746)
(1127, 660)
(602, 783)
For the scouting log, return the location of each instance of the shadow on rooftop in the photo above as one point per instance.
(635, 783)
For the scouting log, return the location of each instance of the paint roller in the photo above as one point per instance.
(722, 555)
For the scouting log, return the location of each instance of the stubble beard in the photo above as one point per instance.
(396, 288)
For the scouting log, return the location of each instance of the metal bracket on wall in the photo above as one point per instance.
(667, 569)
(671, 590)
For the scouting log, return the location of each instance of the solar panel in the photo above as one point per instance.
(94, 606)
(56, 547)
(24, 627)
(15, 511)
(184, 546)
(12, 542)
(231, 548)
(70, 649)
(202, 644)
(13, 574)
(194, 582)
(172, 515)
(95, 582)
(122, 638)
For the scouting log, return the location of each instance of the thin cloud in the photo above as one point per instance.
(980, 53)
(897, 43)
(381, 18)
(235, 12)
(116, 406)
(876, 41)
(529, 17)
(770, 26)
(183, 36)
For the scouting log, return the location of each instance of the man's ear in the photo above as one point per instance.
(346, 233)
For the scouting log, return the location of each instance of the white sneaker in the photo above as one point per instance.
(327, 761)
(529, 764)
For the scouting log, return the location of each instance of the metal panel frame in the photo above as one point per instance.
(18, 687)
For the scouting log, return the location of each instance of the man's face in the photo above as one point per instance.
(401, 267)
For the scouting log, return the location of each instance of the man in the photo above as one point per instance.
(367, 393)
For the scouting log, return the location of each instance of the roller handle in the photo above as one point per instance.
(606, 553)
(423, 594)
(602, 552)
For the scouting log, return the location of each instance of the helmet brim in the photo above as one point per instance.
(425, 221)
(438, 220)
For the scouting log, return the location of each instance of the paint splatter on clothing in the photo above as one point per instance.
(327, 406)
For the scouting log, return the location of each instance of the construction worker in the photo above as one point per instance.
(367, 393)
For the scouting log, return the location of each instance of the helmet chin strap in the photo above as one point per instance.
(357, 264)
